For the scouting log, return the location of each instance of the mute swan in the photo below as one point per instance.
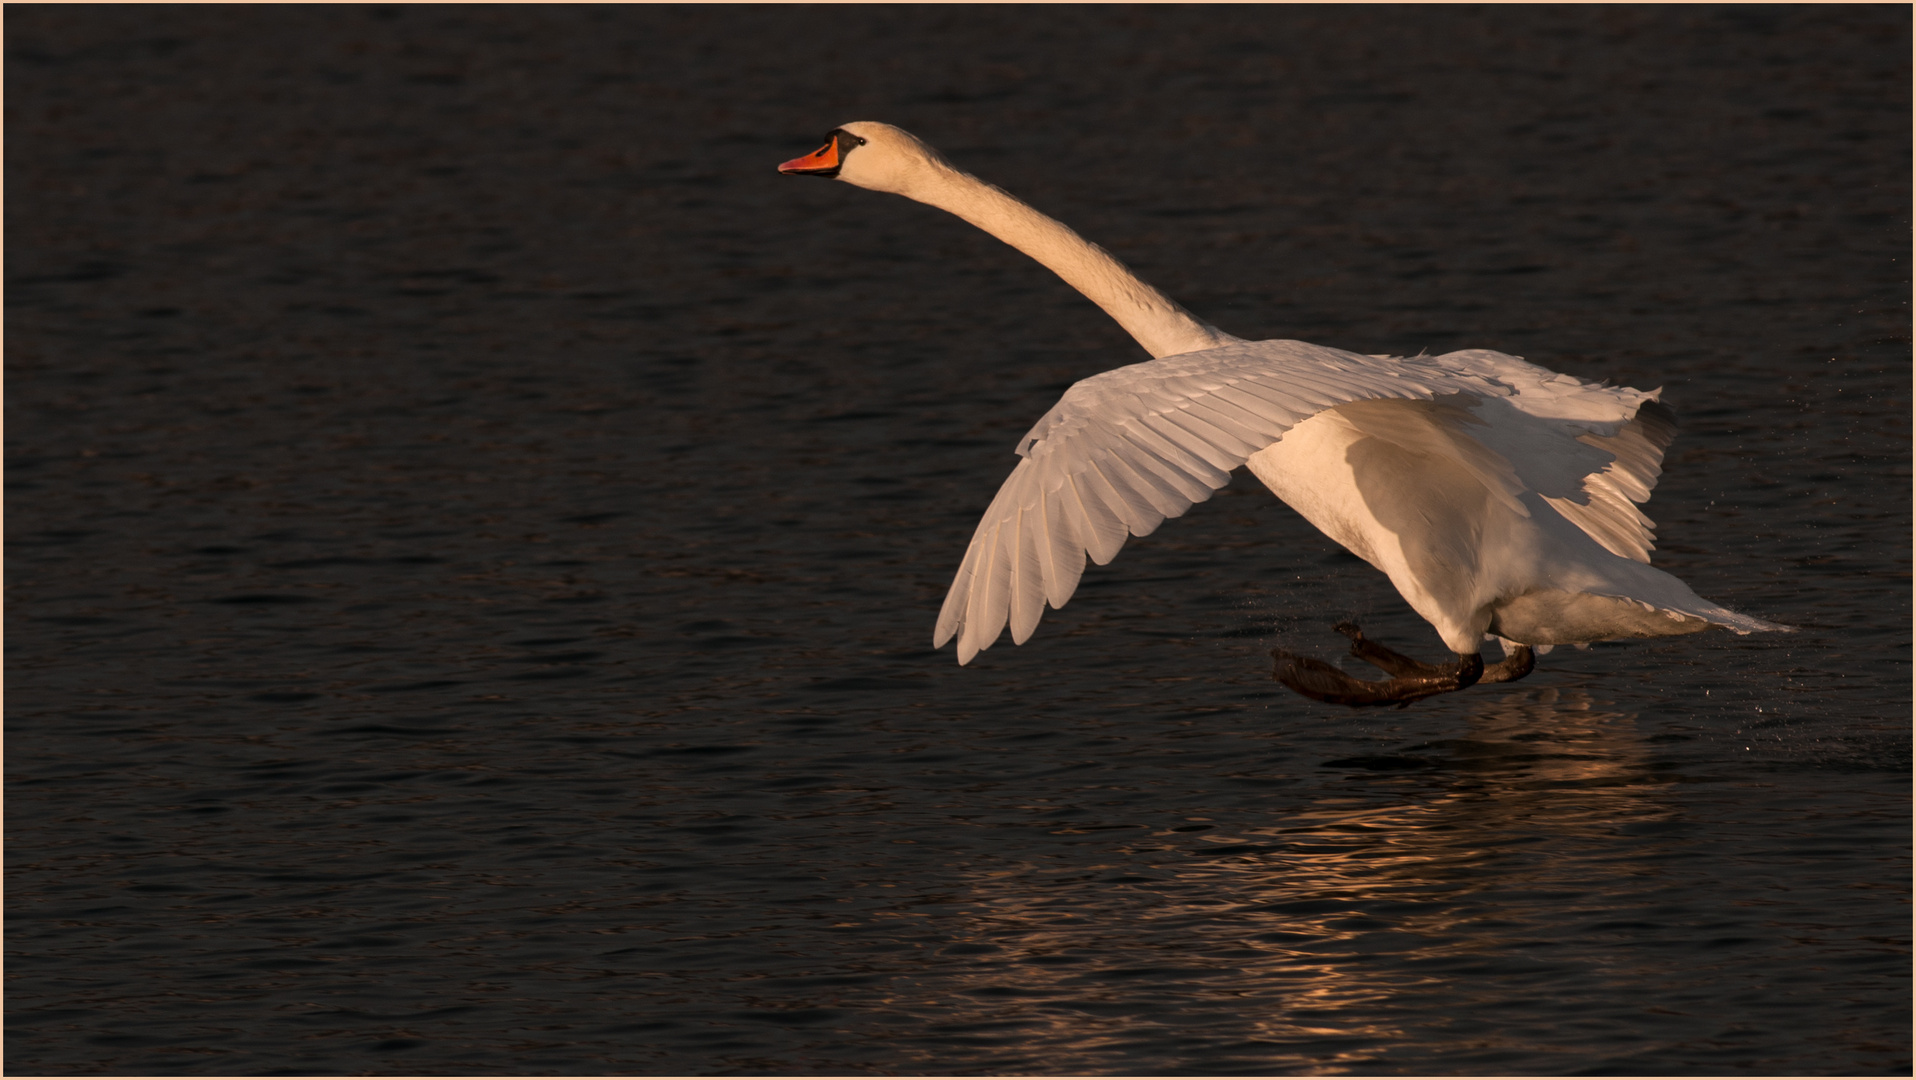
(1498, 496)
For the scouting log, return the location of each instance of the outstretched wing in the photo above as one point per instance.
(1592, 452)
(1124, 450)
(1608, 512)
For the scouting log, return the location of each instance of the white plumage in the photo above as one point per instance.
(1500, 497)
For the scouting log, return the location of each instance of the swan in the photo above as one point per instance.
(1499, 497)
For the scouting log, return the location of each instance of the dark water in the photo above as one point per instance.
(474, 531)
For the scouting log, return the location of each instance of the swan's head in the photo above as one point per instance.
(873, 155)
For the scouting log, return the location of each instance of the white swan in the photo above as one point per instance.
(1499, 497)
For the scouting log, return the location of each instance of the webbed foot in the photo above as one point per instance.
(1413, 679)
(1520, 661)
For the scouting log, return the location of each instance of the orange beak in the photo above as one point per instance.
(822, 161)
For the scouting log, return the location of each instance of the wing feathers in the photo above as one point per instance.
(1201, 427)
(1128, 506)
(1255, 432)
(1064, 551)
(1251, 411)
(1610, 516)
(1027, 584)
(1157, 492)
(1125, 450)
(1178, 457)
(1180, 434)
(1144, 450)
(1105, 529)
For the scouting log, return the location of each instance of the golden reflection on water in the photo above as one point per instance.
(1320, 939)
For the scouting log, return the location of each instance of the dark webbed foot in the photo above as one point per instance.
(1512, 667)
(1390, 661)
(1315, 679)
(1413, 680)
(1517, 663)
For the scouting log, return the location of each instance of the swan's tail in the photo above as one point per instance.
(1743, 624)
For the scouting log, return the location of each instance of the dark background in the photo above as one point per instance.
(474, 530)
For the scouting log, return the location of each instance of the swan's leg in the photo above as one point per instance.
(1322, 682)
(1390, 660)
(1512, 667)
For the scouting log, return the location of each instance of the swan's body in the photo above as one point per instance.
(1499, 497)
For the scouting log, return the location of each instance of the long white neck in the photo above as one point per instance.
(1159, 323)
